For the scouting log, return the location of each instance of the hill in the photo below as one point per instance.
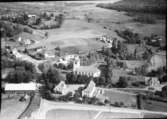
(144, 6)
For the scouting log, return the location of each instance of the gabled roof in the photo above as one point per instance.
(90, 86)
(87, 69)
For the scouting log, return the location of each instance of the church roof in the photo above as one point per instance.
(87, 69)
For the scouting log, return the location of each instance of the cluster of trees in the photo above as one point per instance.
(129, 36)
(23, 71)
(145, 18)
(84, 79)
(149, 39)
(19, 75)
(118, 53)
(46, 16)
(157, 73)
(9, 29)
(122, 83)
(77, 79)
(92, 57)
(141, 70)
(60, 19)
(13, 63)
(141, 6)
(51, 77)
(20, 19)
(62, 66)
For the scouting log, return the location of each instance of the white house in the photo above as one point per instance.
(20, 87)
(49, 55)
(64, 89)
(67, 59)
(156, 61)
(32, 16)
(89, 91)
(61, 87)
(16, 53)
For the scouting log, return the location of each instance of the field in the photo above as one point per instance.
(79, 34)
(76, 32)
(73, 33)
(12, 108)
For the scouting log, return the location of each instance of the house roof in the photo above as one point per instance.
(90, 86)
(134, 63)
(20, 86)
(87, 69)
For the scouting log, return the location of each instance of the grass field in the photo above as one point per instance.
(79, 33)
(74, 33)
(12, 108)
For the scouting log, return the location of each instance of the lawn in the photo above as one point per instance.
(70, 114)
(73, 33)
(12, 108)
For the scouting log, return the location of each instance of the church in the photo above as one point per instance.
(90, 71)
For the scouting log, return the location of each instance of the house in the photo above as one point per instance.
(65, 89)
(16, 53)
(48, 54)
(156, 61)
(65, 60)
(85, 70)
(60, 87)
(153, 82)
(89, 90)
(31, 15)
(20, 87)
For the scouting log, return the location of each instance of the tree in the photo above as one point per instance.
(51, 77)
(46, 34)
(122, 83)
(108, 70)
(164, 91)
(38, 21)
(19, 75)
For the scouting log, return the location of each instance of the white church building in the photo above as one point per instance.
(85, 70)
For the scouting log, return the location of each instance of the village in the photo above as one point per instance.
(122, 73)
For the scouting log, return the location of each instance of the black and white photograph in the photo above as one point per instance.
(87, 59)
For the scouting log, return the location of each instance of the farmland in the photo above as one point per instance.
(113, 55)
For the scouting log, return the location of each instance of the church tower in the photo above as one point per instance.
(76, 64)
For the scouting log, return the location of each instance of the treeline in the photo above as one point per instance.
(9, 29)
(144, 6)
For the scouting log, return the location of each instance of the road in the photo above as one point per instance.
(46, 106)
(25, 57)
